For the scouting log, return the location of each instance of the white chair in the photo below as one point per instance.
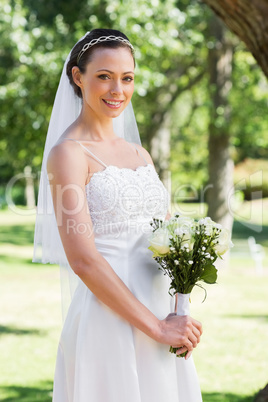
(257, 254)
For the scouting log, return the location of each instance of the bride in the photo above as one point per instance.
(103, 192)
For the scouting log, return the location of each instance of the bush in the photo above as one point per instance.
(17, 196)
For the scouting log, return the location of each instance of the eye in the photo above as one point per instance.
(128, 79)
(103, 76)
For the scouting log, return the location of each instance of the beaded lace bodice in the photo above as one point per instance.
(123, 194)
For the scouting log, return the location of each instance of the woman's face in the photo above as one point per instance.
(108, 83)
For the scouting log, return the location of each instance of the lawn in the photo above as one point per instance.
(232, 359)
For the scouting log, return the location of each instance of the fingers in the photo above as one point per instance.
(193, 340)
(188, 355)
(192, 335)
(197, 334)
(181, 332)
(197, 325)
(181, 350)
(190, 343)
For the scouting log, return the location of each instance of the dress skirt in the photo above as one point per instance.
(101, 357)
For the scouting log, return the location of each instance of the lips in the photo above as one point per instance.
(112, 103)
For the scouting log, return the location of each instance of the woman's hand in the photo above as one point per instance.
(180, 332)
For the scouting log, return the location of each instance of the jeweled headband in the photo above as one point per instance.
(102, 39)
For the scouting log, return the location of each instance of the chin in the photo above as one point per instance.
(115, 113)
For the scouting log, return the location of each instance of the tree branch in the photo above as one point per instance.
(248, 19)
(162, 109)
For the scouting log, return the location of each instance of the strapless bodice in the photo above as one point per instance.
(122, 194)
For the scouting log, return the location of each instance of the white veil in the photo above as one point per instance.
(48, 247)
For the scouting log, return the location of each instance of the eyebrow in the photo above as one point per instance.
(111, 72)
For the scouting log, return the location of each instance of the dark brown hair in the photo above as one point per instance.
(86, 56)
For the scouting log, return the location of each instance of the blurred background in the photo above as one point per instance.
(201, 106)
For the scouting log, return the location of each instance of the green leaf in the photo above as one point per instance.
(209, 275)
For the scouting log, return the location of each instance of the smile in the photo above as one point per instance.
(113, 104)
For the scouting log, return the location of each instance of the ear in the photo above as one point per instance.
(76, 73)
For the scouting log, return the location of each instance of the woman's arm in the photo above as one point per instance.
(68, 173)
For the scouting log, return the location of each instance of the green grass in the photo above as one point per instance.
(30, 314)
(232, 359)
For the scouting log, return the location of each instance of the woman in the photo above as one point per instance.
(105, 191)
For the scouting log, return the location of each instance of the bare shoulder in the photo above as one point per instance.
(67, 159)
(144, 153)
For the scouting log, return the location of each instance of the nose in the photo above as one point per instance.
(116, 87)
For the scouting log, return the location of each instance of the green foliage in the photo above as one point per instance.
(209, 275)
(28, 86)
(188, 151)
(171, 40)
(248, 99)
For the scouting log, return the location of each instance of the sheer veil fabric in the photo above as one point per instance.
(48, 247)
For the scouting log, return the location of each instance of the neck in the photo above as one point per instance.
(94, 128)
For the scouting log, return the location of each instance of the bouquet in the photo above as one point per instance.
(186, 251)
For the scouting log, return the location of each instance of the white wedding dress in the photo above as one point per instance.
(101, 357)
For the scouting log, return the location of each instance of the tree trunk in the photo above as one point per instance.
(262, 396)
(248, 19)
(220, 163)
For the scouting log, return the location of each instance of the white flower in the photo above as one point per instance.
(172, 248)
(223, 242)
(205, 221)
(191, 262)
(203, 248)
(159, 241)
(183, 228)
(176, 262)
(209, 225)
